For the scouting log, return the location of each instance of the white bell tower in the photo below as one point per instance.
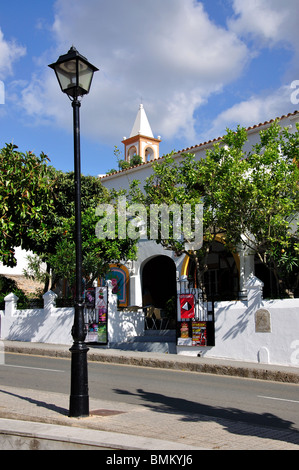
(141, 141)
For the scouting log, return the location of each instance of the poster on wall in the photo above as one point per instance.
(192, 333)
(96, 315)
(199, 333)
(187, 306)
(101, 308)
(183, 335)
(92, 332)
(90, 298)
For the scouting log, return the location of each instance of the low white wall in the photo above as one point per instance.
(53, 325)
(237, 337)
(239, 334)
(124, 325)
(48, 325)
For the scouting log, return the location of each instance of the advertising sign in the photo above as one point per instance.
(187, 306)
(96, 312)
(90, 298)
(184, 338)
(199, 333)
(192, 333)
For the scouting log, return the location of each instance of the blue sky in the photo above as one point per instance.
(197, 66)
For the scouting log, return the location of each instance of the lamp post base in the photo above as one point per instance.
(79, 398)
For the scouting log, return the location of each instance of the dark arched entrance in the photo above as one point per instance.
(159, 284)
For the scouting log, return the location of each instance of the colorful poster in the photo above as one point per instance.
(199, 333)
(101, 303)
(90, 298)
(92, 333)
(119, 276)
(101, 308)
(102, 333)
(184, 338)
(96, 315)
(187, 306)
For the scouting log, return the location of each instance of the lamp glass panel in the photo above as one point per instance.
(85, 75)
(66, 74)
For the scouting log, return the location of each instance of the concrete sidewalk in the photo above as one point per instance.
(31, 419)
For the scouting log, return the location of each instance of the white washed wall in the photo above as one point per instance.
(53, 325)
(48, 325)
(237, 336)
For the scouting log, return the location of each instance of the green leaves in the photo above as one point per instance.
(249, 197)
(37, 212)
(97, 254)
(25, 198)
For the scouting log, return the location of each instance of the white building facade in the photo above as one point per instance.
(152, 292)
(152, 279)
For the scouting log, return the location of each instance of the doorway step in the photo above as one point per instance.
(160, 341)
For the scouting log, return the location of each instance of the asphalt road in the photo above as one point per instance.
(258, 402)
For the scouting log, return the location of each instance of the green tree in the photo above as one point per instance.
(257, 201)
(250, 198)
(8, 286)
(97, 253)
(122, 163)
(59, 252)
(25, 198)
(172, 183)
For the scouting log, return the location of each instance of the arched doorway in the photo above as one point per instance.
(159, 285)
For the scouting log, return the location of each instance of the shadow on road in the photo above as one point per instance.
(234, 420)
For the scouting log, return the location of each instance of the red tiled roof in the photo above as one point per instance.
(217, 139)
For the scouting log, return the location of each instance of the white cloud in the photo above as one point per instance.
(257, 109)
(261, 18)
(170, 55)
(10, 51)
(167, 53)
(269, 20)
(268, 23)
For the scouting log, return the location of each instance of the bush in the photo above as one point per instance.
(135, 160)
(123, 165)
(6, 287)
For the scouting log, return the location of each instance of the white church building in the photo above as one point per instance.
(154, 295)
(156, 272)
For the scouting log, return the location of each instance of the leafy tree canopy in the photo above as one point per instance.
(59, 251)
(26, 197)
(249, 198)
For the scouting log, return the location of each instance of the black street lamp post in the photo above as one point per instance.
(74, 74)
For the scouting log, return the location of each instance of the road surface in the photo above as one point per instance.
(257, 402)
